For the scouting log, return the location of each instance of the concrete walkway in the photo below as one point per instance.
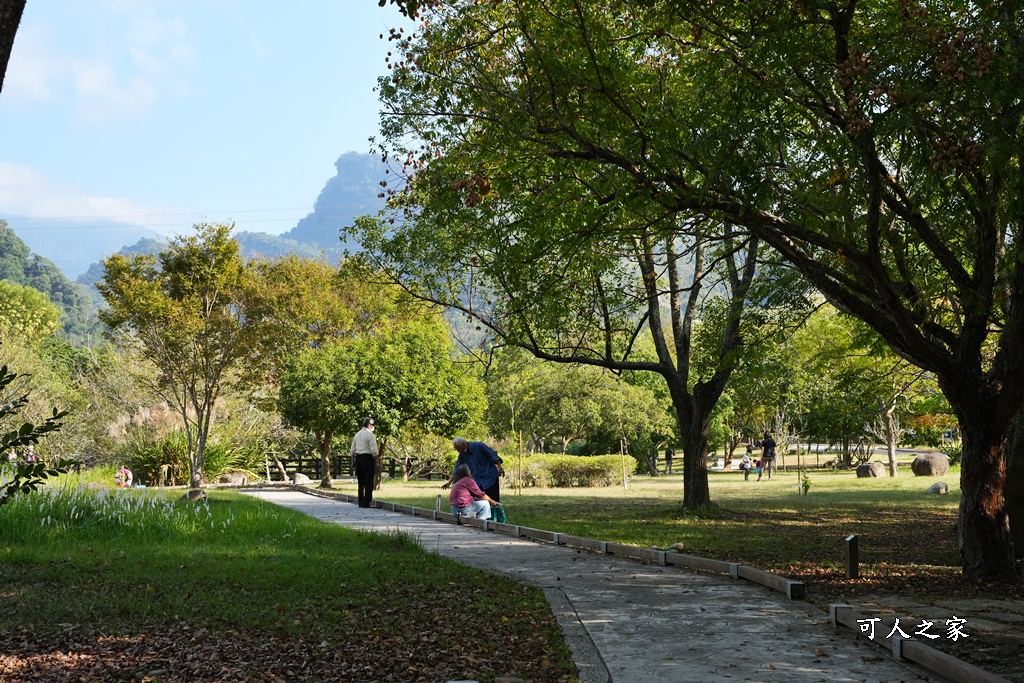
(627, 622)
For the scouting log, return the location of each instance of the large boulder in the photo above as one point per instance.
(235, 478)
(195, 495)
(871, 469)
(299, 479)
(930, 465)
(939, 487)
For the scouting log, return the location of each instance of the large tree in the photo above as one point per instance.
(403, 376)
(182, 311)
(297, 304)
(10, 18)
(875, 145)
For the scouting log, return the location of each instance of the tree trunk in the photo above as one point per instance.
(1015, 486)
(198, 455)
(889, 426)
(696, 493)
(10, 18)
(693, 426)
(280, 466)
(382, 444)
(986, 548)
(323, 442)
(652, 463)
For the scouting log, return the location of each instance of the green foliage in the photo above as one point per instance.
(954, 450)
(26, 313)
(296, 304)
(19, 266)
(404, 376)
(145, 455)
(421, 454)
(24, 477)
(875, 146)
(557, 404)
(182, 312)
(548, 469)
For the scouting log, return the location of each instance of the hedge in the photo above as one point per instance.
(550, 469)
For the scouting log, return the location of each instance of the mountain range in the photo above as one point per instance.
(77, 248)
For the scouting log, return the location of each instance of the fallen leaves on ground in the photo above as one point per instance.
(996, 652)
(179, 652)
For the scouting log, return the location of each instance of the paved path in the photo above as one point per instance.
(631, 622)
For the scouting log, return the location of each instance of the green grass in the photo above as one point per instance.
(765, 524)
(133, 561)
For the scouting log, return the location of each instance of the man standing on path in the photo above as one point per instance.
(364, 455)
(767, 456)
(483, 462)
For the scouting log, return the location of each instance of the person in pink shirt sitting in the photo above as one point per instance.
(466, 498)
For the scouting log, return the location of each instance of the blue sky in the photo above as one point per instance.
(161, 113)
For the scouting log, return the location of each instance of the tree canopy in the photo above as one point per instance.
(182, 312)
(874, 145)
(404, 377)
(26, 312)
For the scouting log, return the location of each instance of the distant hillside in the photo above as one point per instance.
(19, 265)
(88, 279)
(73, 246)
(352, 192)
(251, 245)
(254, 244)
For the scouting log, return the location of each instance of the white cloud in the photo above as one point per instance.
(114, 61)
(33, 71)
(25, 192)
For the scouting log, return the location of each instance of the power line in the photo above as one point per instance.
(171, 225)
(144, 215)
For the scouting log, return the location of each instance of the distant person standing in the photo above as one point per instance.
(483, 461)
(747, 463)
(767, 456)
(364, 456)
(669, 454)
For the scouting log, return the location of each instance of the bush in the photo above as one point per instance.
(145, 456)
(568, 471)
(953, 451)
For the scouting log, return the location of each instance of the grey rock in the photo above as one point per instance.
(299, 478)
(195, 495)
(870, 469)
(939, 487)
(930, 465)
(234, 478)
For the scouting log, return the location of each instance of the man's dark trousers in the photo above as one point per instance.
(366, 469)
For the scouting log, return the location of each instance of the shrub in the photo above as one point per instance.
(546, 469)
(953, 451)
(145, 456)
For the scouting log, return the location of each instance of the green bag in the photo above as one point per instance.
(498, 514)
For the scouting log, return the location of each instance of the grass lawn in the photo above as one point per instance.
(902, 530)
(136, 586)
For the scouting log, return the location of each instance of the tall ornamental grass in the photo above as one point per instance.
(57, 511)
